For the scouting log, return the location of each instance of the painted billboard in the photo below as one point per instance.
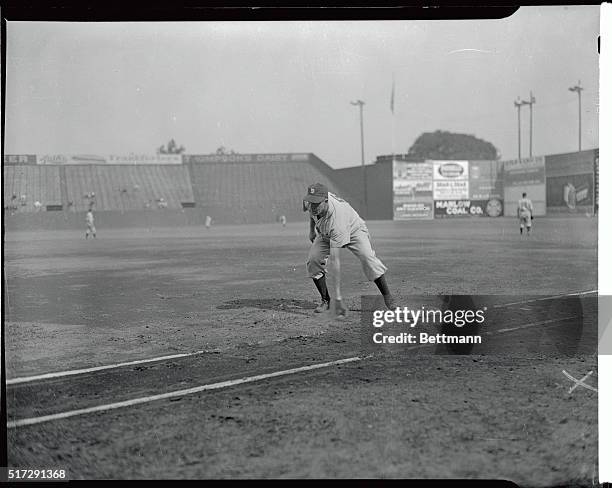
(245, 158)
(596, 180)
(16, 159)
(131, 158)
(526, 175)
(450, 170)
(412, 190)
(571, 182)
(525, 171)
(406, 208)
(486, 180)
(570, 194)
(468, 208)
(451, 188)
(573, 163)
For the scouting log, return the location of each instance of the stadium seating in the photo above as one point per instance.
(254, 192)
(230, 192)
(133, 187)
(37, 183)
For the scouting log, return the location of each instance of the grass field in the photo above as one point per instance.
(239, 298)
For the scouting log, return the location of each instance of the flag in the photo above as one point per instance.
(393, 96)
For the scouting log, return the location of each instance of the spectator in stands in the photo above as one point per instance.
(24, 200)
(89, 220)
(13, 205)
(161, 203)
(37, 205)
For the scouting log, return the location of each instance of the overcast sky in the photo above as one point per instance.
(271, 87)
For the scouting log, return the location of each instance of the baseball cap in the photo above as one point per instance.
(316, 193)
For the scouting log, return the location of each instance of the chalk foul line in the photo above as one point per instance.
(174, 394)
(578, 293)
(60, 374)
(223, 384)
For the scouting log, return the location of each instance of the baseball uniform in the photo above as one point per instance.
(89, 219)
(334, 224)
(525, 211)
(341, 226)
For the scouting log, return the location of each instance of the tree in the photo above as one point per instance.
(222, 151)
(447, 145)
(171, 149)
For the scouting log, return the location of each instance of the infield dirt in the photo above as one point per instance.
(240, 293)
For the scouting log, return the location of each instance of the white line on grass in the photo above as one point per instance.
(225, 384)
(579, 293)
(173, 394)
(59, 374)
(526, 326)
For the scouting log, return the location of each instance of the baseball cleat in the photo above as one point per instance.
(340, 309)
(323, 307)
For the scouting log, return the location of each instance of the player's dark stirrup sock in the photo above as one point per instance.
(381, 283)
(322, 287)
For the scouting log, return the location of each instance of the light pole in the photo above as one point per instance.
(518, 103)
(360, 104)
(530, 103)
(578, 89)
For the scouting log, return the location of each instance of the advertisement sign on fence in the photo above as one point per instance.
(468, 208)
(406, 208)
(570, 193)
(130, 158)
(486, 180)
(526, 171)
(245, 158)
(133, 158)
(451, 170)
(412, 190)
(15, 159)
(596, 180)
(451, 190)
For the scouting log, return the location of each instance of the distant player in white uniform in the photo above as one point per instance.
(524, 212)
(91, 228)
(334, 224)
(283, 220)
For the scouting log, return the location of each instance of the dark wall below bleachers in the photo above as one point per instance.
(379, 187)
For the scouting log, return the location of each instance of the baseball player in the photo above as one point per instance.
(89, 220)
(524, 212)
(334, 224)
